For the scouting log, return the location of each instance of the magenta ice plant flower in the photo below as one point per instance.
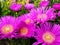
(16, 7)
(56, 6)
(26, 18)
(44, 4)
(29, 6)
(24, 29)
(48, 34)
(7, 27)
(42, 15)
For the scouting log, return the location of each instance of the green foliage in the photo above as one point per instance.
(15, 41)
(54, 1)
(36, 2)
(5, 9)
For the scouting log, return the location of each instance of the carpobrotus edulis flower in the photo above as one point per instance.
(29, 6)
(48, 34)
(25, 30)
(42, 15)
(56, 6)
(26, 18)
(44, 4)
(16, 7)
(7, 27)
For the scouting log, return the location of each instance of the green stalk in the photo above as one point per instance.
(11, 42)
(28, 42)
(25, 41)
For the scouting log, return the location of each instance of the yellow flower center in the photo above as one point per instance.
(24, 31)
(48, 37)
(7, 29)
(27, 21)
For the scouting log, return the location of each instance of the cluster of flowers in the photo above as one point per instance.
(33, 24)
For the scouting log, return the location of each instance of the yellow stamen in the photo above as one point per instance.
(7, 29)
(27, 21)
(23, 31)
(48, 37)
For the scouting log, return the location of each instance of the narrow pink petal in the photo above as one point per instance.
(36, 43)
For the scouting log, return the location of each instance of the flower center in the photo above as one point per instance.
(48, 37)
(42, 17)
(7, 29)
(24, 31)
(27, 21)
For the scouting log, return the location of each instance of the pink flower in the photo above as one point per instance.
(56, 6)
(41, 15)
(7, 27)
(16, 7)
(29, 6)
(25, 30)
(48, 34)
(44, 4)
